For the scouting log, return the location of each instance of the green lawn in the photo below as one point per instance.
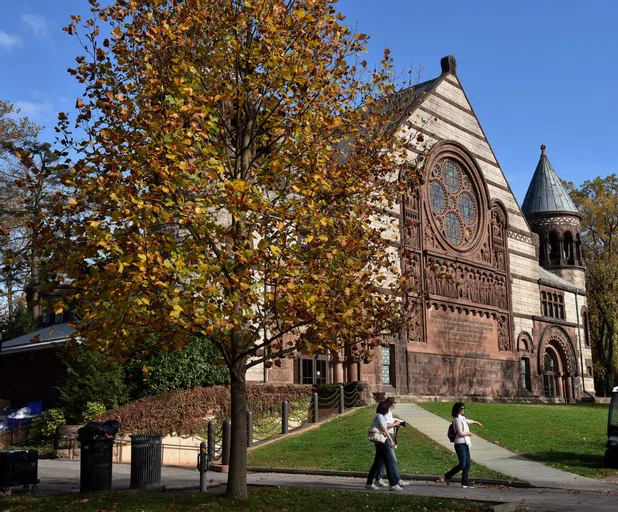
(262, 500)
(569, 437)
(342, 444)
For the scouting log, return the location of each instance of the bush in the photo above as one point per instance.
(44, 427)
(191, 367)
(91, 376)
(187, 412)
(92, 411)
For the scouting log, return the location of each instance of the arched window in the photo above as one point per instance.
(554, 248)
(569, 254)
(586, 328)
(578, 249)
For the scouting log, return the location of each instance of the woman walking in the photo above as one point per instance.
(462, 445)
(384, 453)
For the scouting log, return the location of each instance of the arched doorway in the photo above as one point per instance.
(557, 364)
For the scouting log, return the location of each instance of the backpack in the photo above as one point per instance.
(451, 433)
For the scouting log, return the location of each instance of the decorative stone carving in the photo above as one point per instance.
(414, 319)
(465, 282)
(504, 341)
(557, 337)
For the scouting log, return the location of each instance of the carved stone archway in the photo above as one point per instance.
(557, 363)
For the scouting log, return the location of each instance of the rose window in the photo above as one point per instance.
(452, 202)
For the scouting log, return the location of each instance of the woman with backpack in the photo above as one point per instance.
(460, 435)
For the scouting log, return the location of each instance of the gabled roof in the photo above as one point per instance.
(47, 337)
(546, 192)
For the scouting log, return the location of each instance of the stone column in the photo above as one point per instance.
(561, 250)
(559, 390)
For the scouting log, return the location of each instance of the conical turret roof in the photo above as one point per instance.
(546, 192)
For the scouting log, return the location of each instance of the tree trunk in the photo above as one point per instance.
(237, 476)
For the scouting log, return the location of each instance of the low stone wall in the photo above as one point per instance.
(177, 451)
(66, 445)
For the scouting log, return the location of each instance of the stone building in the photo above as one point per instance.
(497, 302)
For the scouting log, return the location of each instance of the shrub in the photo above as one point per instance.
(187, 412)
(191, 367)
(92, 411)
(91, 376)
(43, 428)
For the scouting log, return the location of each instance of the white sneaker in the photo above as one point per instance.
(467, 486)
(403, 483)
(396, 487)
(371, 487)
(381, 483)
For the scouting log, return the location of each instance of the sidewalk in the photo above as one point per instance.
(62, 477)
(497, 458)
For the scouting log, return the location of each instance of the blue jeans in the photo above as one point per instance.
(385, 456)
(463, 453)
(392, 454)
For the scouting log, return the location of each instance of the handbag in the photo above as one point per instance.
(375, 436)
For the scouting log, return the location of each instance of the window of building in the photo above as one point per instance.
(454, 199)
(312, 370)
(525, 373)
(586, 328)
(552, 304)
(45, 317)
(388, 365)
(59, 317)
(589, 371)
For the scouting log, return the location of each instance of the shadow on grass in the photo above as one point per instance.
(570, 459)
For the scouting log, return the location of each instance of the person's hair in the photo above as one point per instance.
(456, 408)
(391, 400)
(382, 407)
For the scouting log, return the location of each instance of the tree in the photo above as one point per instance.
(17, 322)
(232, 185)
(16, 134)
(597, 201)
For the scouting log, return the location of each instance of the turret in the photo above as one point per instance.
(552, 215)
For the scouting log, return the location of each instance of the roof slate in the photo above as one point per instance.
(546, 192)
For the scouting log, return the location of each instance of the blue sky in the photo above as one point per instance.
(536, 72)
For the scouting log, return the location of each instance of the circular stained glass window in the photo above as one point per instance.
(437, 197)
(466, 208)
(452, 226)
(452, 176)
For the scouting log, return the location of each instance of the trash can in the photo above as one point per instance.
(145, 460)
(95, 466)
(97, 450)
(19, 467)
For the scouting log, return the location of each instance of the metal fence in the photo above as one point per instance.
(288, 418)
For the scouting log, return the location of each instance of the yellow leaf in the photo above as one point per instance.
(72, 202)
(95, 223)
(176, 311)
(309, 238)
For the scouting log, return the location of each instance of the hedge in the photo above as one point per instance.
(188, 412)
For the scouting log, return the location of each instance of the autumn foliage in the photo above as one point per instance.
(238, 160)
(188, 412)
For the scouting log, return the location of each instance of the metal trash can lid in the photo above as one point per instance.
(145, 437)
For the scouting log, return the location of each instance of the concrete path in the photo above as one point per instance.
(497, 458)
(62, 477)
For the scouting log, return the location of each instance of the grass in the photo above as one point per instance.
(262, 500)
(569, 437)
(342, 444)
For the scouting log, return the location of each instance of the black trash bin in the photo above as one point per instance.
(19, 467)
(97, 450)
(145, 460)
(96, 465)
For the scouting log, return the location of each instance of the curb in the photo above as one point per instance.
(522, 484)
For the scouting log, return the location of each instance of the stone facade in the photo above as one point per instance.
(479, 275)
